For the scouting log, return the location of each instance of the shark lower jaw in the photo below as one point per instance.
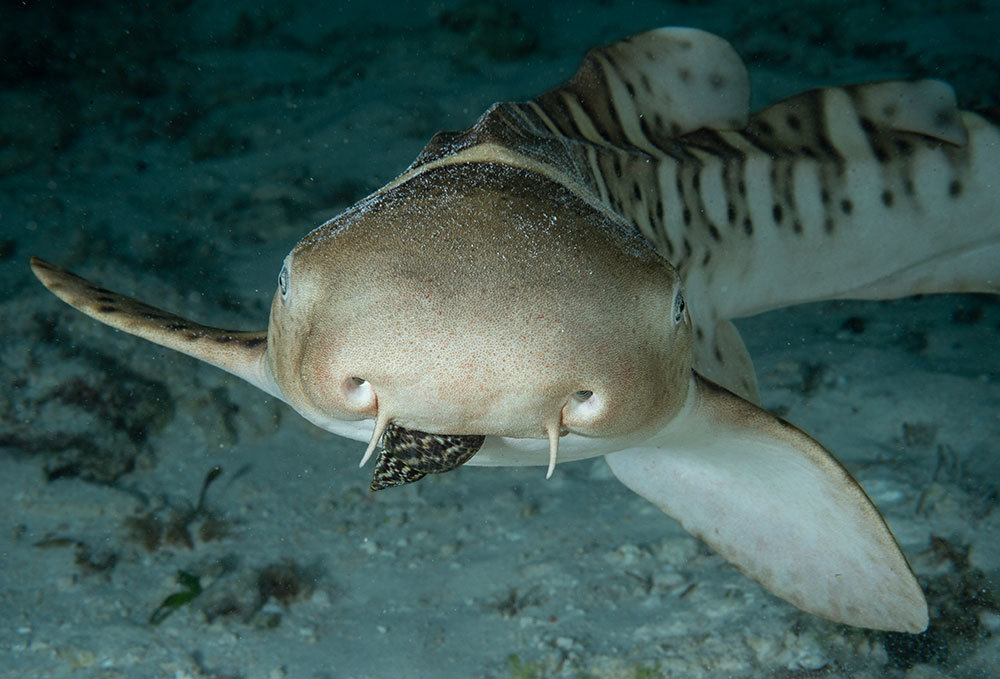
(408, 455)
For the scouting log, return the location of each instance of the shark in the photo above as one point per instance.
(558, 282)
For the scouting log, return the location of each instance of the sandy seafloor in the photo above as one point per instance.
(177, 150)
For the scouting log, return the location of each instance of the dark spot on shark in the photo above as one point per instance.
(944, 117)
(827, 148)
(955, 188)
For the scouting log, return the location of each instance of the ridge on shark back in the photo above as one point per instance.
(557, 282)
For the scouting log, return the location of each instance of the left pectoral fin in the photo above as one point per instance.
(240, 353)
(778, 506)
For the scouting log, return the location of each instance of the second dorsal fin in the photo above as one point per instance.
(645, 91)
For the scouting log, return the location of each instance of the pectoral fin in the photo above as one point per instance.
(778, 506)
(240, 353)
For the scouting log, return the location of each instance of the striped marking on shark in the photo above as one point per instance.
(557, 282)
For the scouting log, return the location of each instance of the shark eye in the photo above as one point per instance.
(283, 281)
(679, 307)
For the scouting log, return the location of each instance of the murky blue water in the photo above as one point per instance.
(177, 151)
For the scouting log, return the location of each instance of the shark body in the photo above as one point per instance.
(558, 282)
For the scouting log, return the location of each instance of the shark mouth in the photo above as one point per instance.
(409, 455)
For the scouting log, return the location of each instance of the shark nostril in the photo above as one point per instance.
(582, 410)
(358, 394)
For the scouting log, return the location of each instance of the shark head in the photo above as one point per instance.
(480, 299)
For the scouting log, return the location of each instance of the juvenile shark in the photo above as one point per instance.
(558, 281)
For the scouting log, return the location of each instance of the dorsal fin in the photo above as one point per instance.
(637, 95)
(645, 91)
(842, 119)
(926, 107)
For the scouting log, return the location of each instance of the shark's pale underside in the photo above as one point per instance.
(560, 279)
